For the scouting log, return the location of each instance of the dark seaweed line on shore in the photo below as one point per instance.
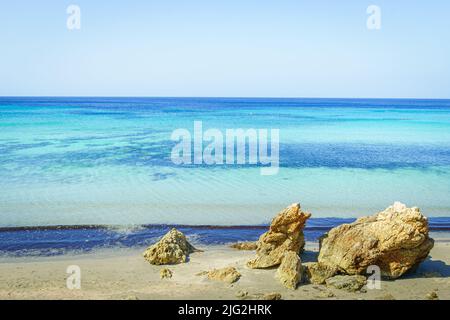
(434, 226)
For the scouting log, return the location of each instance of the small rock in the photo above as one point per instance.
(271, 296)
(327, 294)
(165, 273)
(349, 283)
(201, 273)
(266, 296)
(241, 294)
(387, 296)
(228, 274)
(131, 297)
(173, 248)
(432, 295)
(244, 246)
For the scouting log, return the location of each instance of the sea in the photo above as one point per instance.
(80, 173)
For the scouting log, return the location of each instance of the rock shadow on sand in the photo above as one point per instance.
(429, 269)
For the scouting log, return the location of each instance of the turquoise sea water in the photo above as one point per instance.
(83, 161)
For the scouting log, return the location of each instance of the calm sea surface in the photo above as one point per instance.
(83, 161)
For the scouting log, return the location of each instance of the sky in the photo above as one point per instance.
(227, 48)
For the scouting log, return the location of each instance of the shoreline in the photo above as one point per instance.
(436, 223)
(124, 274)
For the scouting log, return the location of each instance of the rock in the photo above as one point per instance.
(244, 245)
(265, 296)
(241, 294)
(285, 234)
(432, 295)
(290, 270)
(327, 294)
(396, 240)
(173, 248)
(228, 274)
(387, 296)
(317, 273)
(271, 296)
(201, 273)
(165, 273)
(131, 297)
(349, 283)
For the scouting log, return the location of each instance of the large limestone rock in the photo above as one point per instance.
(395, 240)
(173, 248)
(290, 270)
(285, 234)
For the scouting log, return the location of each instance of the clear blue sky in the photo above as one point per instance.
(240, 48)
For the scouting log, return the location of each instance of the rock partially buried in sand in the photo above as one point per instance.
(290, 270)
(228, 275)
(165, 273)
(386, 296)
(270, 296)
(285, 234)
(395, 240)
(349, 283)
(432, 296)
(317, 273)
(173, 248)
(259, 296)
(241, 294)
(244, 246)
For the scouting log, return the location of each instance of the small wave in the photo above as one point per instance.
(125, 229)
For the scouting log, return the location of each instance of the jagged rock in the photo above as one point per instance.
(317, 273)
(396, 240)
(349, 283)
(173, 248)
(165, 273)
(244, 246)
(228, 274)
(290, 270)
(285, 234)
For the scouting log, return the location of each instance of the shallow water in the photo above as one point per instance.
(16, 242)
(83, 161)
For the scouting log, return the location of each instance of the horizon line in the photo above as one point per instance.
(218, 97)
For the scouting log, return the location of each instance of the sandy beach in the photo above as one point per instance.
(124, 274)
